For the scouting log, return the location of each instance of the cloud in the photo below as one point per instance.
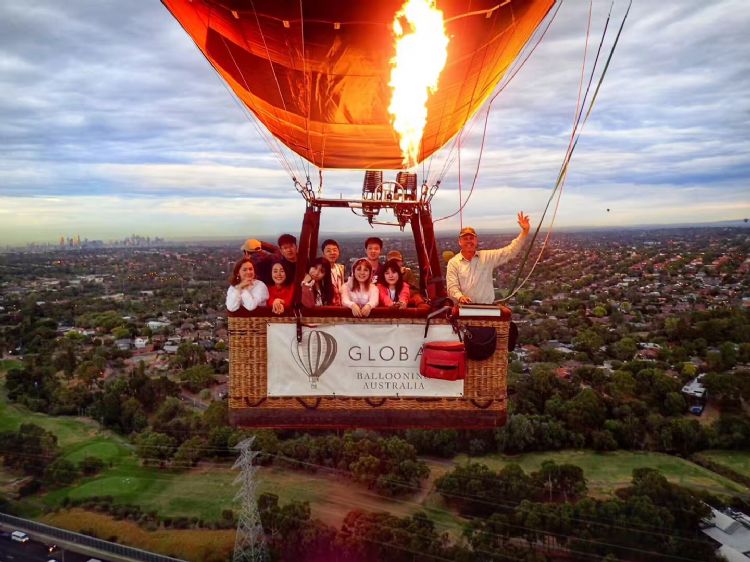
(112, 121)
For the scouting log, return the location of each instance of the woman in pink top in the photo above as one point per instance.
(359, 293)
(393, 291)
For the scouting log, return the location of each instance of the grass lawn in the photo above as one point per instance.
(72, 433)
(110, 449)
(8, 364)
(739, 461)
(605, 472)
(205, 492)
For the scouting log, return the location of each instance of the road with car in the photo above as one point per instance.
(37, 551)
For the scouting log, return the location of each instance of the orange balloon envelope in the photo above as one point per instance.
(316, 73)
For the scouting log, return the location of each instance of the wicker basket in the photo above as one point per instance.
(483, 404)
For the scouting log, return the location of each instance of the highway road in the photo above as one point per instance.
(36, 551)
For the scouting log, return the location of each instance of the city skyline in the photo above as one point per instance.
(113, 123)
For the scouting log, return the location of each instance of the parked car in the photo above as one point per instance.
(696, 410)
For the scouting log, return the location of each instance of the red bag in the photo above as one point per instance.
(443, 360)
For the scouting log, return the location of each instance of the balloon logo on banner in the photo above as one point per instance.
(314, 354)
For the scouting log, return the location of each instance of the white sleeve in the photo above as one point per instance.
(256, 296)
(233, 299)
(346, 296)
(502, 255)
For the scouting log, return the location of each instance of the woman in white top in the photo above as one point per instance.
(359, 293)
(244, 289)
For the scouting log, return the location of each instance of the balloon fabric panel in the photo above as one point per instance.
(318, 81)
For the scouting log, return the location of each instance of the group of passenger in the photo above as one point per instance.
(264, 276)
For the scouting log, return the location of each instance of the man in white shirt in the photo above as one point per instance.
(470, 271)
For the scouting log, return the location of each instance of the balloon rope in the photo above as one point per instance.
(460, 196)
(467, 69)
(489, 107)
(274, 146)
(307, 91)
(564, 170)
(273, 70)
(559, 184)
(280, 155)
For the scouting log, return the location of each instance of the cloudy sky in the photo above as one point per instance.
(112, 122)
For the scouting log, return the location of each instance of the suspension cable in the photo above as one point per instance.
(515, 287)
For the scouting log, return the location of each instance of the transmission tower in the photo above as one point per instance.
(249, 543)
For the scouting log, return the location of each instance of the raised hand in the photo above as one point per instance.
(523, 221)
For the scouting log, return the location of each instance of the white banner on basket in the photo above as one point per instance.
(354, 360)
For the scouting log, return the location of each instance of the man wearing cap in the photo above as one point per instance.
(261, 255)
(470, 271)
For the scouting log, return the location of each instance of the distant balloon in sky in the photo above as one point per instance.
(608, 210)
(447, 255)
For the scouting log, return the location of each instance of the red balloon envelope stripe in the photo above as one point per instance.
(316, 73)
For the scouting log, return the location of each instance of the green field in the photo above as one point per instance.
(739, 461)
(8, 364)
(72, 433)
(605, 472)
(206, 491)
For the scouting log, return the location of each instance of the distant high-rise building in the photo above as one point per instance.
(62, 241)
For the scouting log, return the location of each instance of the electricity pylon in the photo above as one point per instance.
(249, 543)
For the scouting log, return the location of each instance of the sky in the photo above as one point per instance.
(112, 123)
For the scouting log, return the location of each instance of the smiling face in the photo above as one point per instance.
(362, 272)
(247, 271)
(278, 274)
(391, 277)
(373, 251)
(468, 244)
(331, 253)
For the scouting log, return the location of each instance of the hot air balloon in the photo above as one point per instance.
(317, 74)
(314, 353)
(371, 86)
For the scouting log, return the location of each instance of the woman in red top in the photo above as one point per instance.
(393, 291)
(280, 294)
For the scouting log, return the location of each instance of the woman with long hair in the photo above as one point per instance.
(393, 290)
(317, 289)
(280, 294)
(360, 294)
(244, 289)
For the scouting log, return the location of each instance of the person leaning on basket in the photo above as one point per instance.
(469, 275)
(393, 289)
(244, 289)
(281, 293)
(360, 294)
(317, 288)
